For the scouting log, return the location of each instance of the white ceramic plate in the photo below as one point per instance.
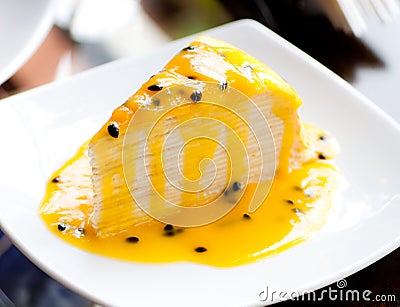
(23, 26)
(42, 128)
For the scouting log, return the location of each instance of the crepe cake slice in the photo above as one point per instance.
(205, 61)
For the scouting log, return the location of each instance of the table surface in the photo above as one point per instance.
(371, 64)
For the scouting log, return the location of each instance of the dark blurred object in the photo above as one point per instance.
(27, 286)
(43, 67)
(370, 63)
(180, 18)
(4, 300)
(303, 25)
(7, 89)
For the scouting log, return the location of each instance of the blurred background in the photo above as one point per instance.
(357, 39)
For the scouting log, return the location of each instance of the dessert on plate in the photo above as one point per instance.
(207, 162)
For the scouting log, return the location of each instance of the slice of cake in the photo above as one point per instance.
(163, 142)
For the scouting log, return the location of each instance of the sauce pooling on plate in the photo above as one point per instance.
(297, 204)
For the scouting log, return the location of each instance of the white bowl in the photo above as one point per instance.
(24, 24)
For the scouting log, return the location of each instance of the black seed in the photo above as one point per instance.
(246, 216)
(152, 76)
(168, 227)
(56, 179)
(236, 186)
(226, 192)
(113, 130)
(79, 232)
(191, 78)
(223, 85)
(155, 87)
(290, 201)
(156, 102)
(132, 239)
(62, 226)
(196, 96)
(200, 249)
(189, 48)
(321, 156)
(323, 137)
(297, 211)
(296, 188)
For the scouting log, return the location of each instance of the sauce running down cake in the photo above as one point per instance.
(218, 98)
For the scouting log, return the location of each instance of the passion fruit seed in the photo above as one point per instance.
(191, 78)
(113, 130)
(321, 156)
(200, 249)
(132, 239)
(246, 216)
(168, 227)
(323, 137)
(289, 201)
(223, 85)
(236, 186)
(56, 179)
(62, 226)
(189, 48)
(297, 211)
(196, 96)
(79, 232)
(155, 88)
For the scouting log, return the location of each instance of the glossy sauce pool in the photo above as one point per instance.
(298, 204)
